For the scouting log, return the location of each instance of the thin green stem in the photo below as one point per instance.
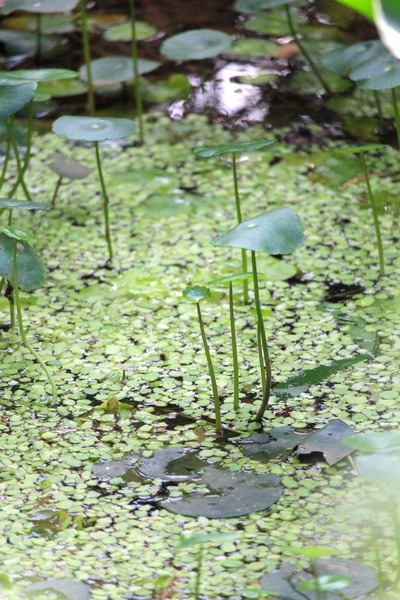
(374, 215)
(320, 595)
(8, 293)
(217, 408)
(38, 57)
(264, 345)
(138, 89)
(378, 104)
(198, 573)
(30, 125)
(20, 179)
(396, 114)
(86, 57)
(59, 182)
(6, 161)
(105, 202)
(239, 220)
(21, 325)
(235, 361)
(306, 55)
(261, 360)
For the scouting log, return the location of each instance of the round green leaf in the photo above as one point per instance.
(14, 95)
(196, 44)
(343, 59)
(123, 33)
(68, 167)
(62, 88)
(38, 6)
(30, 267)
(196, 293)
(15, 233)
(278, 231)
(116, 69)
(237, 147)
(252, 6)
(93, 129)
(359, 149)
(39, 74)
(23, 204)
(186, 541)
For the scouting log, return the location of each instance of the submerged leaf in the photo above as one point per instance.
(279, 441)
(171, 464)
(328, 441)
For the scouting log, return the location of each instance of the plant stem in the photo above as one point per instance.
(234, 351)
(8, 293)
(105, 202)
(29, 131)
(374, 215)
(38, 53)
(198, 573)
(21, 325)
(378, 104)
(261, 360)
(6, 160)
(396, 523)
(20, 178)
(239, 220)
(59, 182)
(320, 595)
(86, 57)
(306, 55)
(396, 114)
(211, 371)
(138, 89)
(264, 345)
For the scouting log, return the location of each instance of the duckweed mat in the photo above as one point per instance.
(125, 350)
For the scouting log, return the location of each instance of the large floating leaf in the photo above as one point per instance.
(284, 583)
(196, 44)
(30, 267)
(327, 441)
(38, 6)
(123, 32)
(279, 441)
(116, 69)
(231, 495)
(67, 588)
(278, 231)
(93, 129)
(237, 147)
(111, 469)
(171, 464)
(14, 95)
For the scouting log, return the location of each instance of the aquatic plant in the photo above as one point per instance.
(66, 168)
(22, 268)
(197, 293)
(361, 150)
(278, 231)
(96, 130)
(235, 148)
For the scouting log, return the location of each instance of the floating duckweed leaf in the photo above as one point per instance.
(23, 204)
(5, 583)
(196, 44)
(278, 231)
(196, 293)
(231, 495)
(116, 69)
(279, 441)
(68, 588)
(93, 129)
(303, 380)
(68, 167)
(111, 469)
(171, 464)
(123, 32)
(38, 6)
(328, 442)
(31, 269)
(39, 74)
(14, 95)
(374, 441)
(186, 541)
(253, 47)
(237, 147)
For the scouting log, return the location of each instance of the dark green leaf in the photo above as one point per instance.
(39, 74)
(279, 441)
(123, 33)
(327, 441)
(93, 129)
(30, 267)
(237, 147)
(116, 69)
(14, 95)
(68, 167)
(171, 464)
(196, 44)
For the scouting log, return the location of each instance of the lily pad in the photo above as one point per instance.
(39, 74)
(68, 167)
(171, 464)
(116, 69)
(344, 59)
(30, 267)
(279, 441)
(23, 204)
(278, 231)
(39, 6)
(328, 442)
(14, 95)
(92, 129)
(231, 495)
(196, 44)
(110, 469)
(237, 147)
(252, 6)
(123, 32)
(68, 588)
(196, 293)
(62, 88)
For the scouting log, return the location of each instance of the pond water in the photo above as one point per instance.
(121, 486)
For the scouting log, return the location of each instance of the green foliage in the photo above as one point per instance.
(196, 44)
